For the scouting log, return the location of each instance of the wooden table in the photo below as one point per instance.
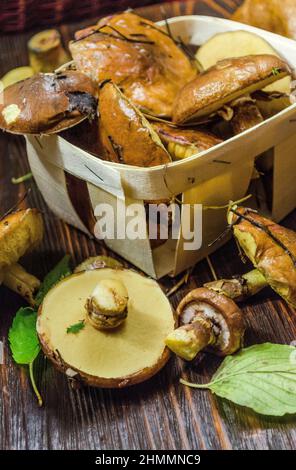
(159, 414)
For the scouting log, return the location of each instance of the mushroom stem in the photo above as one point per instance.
(240, 287)
(107, 306)
(188, 340)
(17, 279)
(246, 115)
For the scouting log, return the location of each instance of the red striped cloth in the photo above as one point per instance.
(20, 15)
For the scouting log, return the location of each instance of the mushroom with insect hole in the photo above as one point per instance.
(209, 321)
(20, 232)
(117, 357)
(48, 103)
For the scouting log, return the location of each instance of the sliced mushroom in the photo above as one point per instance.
(225, 82)
(270, 247)
(209, 320)
(118, 357)
(126, 135)
(20, 232)
(48, 103)
(46, 52)
(183, 143)
(137, 55)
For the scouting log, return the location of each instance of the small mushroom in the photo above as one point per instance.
(107, 305)
(113, 358)
(223, 83)
(48, 103)
(183, 143)
(126, 135)
(20, 232)
(96, 262)
(209, 320)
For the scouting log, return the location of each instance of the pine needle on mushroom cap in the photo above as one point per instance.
(138, 56)
(225, 82)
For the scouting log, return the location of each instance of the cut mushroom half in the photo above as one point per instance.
(223, 83)
(20, 233)
(208, 320)
(113, 358)
(48, 103)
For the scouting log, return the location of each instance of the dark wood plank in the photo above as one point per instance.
(159, 414)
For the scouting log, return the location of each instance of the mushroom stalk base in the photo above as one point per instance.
(188, 340)
(17, 279)
(241, 287)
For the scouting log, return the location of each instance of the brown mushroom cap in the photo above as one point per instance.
(20, 232)
(47, 103)
(126, 135)
(137, 55)
(225, 315)
(116, 358)
(271, 248)
(226, 81)
(201, 139)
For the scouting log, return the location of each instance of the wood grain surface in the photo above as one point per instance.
(159, 414)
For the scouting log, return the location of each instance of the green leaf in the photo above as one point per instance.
(262, 377)
(76, 327)
(23, 339)
(61, 270)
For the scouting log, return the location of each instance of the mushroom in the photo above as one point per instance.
(117, 357)
(46, 52)
(48, 103)
(20, 232)
(137, 55)
(224, 83)
(126, 135)
(209, 320)
(272, 250)
(107, 305)
(183, 143)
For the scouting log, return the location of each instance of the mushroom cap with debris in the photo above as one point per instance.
(225, 82)
(270, 247)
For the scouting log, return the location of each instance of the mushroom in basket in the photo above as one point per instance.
(137, 55)
(106, 327)
(20, 232)
(272, 250)
(48, 103)
(227, 86)
(183, 143)
(125, 134)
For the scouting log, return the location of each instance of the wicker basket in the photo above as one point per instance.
(58, 165)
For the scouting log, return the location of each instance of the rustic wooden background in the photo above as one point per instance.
(159, 414)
